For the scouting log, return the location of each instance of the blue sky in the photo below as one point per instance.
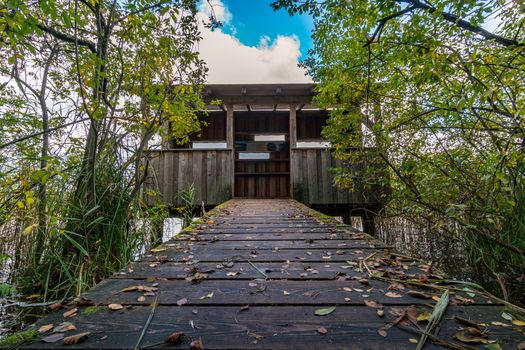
(252, 19)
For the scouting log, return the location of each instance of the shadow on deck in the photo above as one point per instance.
(254, 275)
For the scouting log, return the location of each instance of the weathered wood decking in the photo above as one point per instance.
(253, 275)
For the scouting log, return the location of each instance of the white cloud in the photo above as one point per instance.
(230, 61)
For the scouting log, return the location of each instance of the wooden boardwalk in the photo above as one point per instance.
(255, 273)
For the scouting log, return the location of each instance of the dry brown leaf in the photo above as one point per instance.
(373, 304)
(382, 332)
(322, 330)
(45, 328)
(64, 327)
(77, 338)
(175, 338)
(466, 338)
(55, 306)
(70, 313)
(115, 307)
(393, 295)
(197, 345)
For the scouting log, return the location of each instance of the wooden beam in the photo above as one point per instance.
(301, 106)
(229, 144)
(221, 106)
(229, 125)
(293, 125)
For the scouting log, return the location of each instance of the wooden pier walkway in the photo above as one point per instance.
(273, 274)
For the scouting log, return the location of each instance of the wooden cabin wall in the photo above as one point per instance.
(312, 180)
(172, 171)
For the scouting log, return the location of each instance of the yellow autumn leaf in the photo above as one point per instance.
(518, 323)
(20, 204)
(29, 229)
(158, 249)
(413, 340)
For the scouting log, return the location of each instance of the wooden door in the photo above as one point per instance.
(262, 154)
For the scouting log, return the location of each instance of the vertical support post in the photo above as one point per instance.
(292, 138)
(368, 222)
(230, 145)
(293, 125)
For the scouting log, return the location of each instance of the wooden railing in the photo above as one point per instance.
(312, 179)
(172, 171)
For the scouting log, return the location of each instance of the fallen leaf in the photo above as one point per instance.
(255, 335)
(521, 346)
(182, 301)
(45, 328)
(64, 327)
(393, 295)
(325, 311)
(174, 338)
(207, 296)
(286, 292)
(70, 313)
(197, 345)
(55, 306)
(115, 307)
(158, 249)
(141, 298)
(500, 324)
(424, 316)
(321, 330)
(465, 338)
(77, 338)
(346, 289)
(380, 313)
(495, 347)
(413, 340)
(371, 303)
(507, 316)
(382, 332)
(53, 338)
(244, 308)
(347, 299)
(518, 323)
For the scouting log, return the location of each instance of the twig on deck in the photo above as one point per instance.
(249, 262)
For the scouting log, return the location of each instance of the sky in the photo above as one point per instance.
(255, 44)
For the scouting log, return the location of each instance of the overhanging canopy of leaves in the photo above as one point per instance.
(439, 87)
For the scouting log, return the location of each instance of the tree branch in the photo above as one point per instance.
(68, 38)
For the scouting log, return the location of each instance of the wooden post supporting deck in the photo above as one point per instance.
(230, 142)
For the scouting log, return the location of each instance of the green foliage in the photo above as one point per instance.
(15, 340)
(6, 290)
(88, 84)
(439, 100)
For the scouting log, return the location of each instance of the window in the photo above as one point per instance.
(208, 145)
(263, 138)
(313, 144)
(248, 155)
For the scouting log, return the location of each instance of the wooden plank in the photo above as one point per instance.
(256, 292)
(245, 271)
(219, 255)
(280, 327)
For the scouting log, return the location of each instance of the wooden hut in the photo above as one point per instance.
(261, 141)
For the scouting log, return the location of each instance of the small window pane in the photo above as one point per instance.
(214, 145)
(313, 144)
(269, 137)
(254, 155)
